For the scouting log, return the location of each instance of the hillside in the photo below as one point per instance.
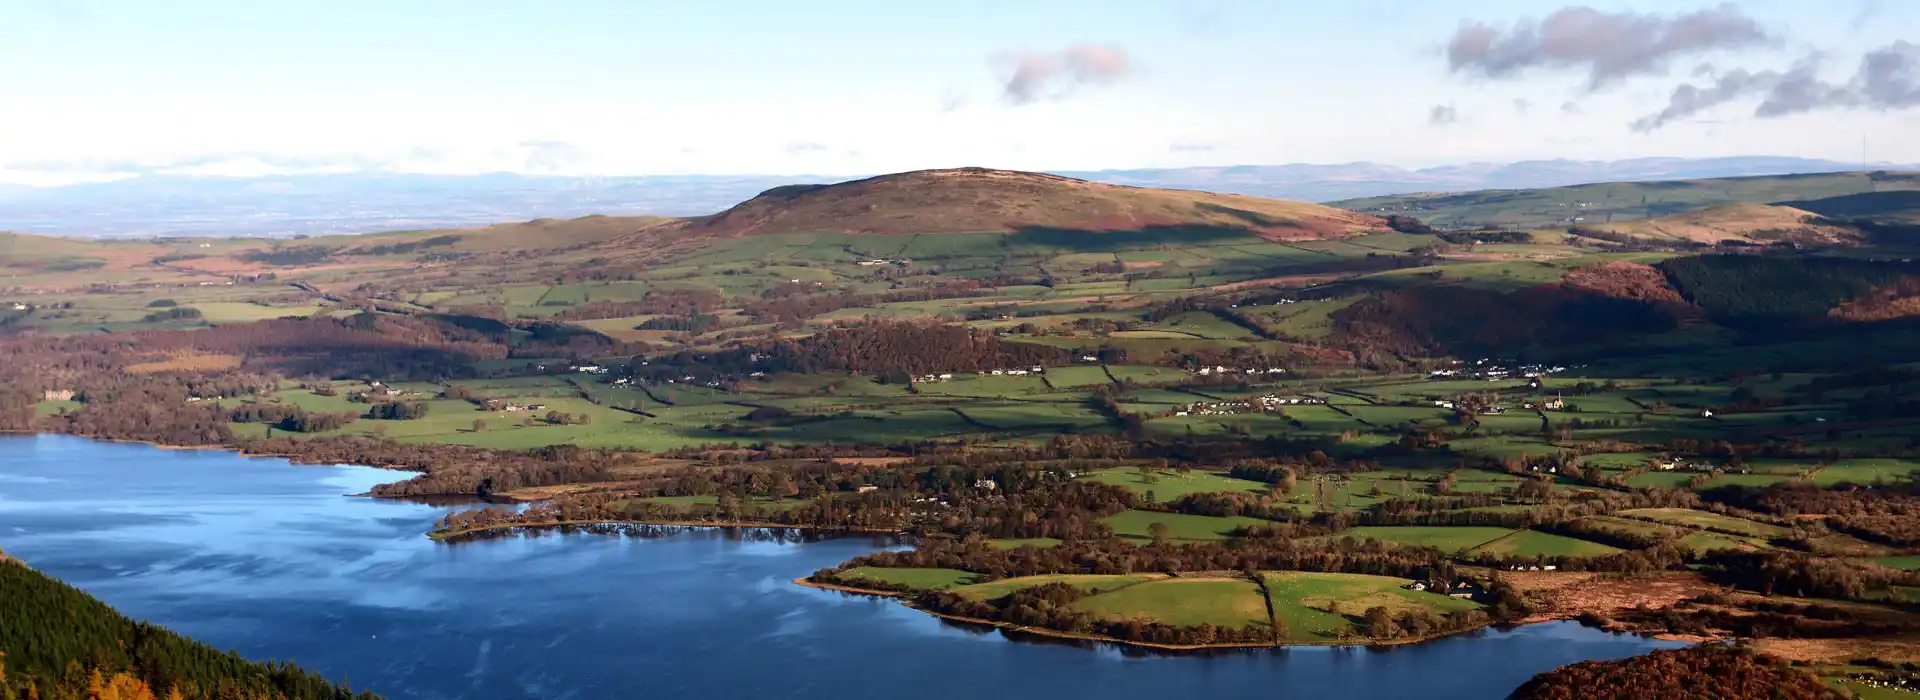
(1901, 206)
(1613, 202)
(1740, 222)
(976, 200)
(54, 630)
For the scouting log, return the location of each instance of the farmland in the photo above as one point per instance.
(1320, 608)
(1184, 425)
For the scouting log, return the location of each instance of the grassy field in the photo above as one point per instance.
(1168, 485)
(1903, 563)
(1183, 602)
(1040, 542)
(1090, 583)
(1318, 607)
(917, 579)
(1862, 691)
(1557, 207)
(1705, 520)
(1135, 524)
(1530, 543)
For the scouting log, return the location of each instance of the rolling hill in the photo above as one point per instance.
(979, 200)
(1740, 222)
(1898, 206)
(1593, 205)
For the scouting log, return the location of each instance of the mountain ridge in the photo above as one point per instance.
(158, 204)
(980, 200)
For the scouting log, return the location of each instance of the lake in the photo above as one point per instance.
(277, 561)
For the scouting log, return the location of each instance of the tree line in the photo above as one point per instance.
(60, 643)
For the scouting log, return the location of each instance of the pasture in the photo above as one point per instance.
(1183, 602)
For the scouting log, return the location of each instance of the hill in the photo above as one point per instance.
(977, 200)
(54, 630)
(1739, 222)
(1899, 206)
(1610, 202)
(537, 234)
(1710, 671)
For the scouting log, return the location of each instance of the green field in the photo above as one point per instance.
(1705, 520)
(1609, 201)
(1530, 543)
(1167, 485)
(1091, 583)
(1135, 524)
(1183, 602)
(1904, 563)
(1866, 471)
(1862, 691)
(1040, 542)
(917, 579)
(1318, 607)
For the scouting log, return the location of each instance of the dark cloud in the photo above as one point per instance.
(1688, 100)
(1034, 75)
(1609, 46)
(1442, 115)
(1887, 78)
(1571, 108)
(1522, 105)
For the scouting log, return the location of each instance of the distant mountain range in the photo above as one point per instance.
(365, 202)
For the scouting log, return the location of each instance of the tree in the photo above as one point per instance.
(479, 425)
(1380, 623)
(1158, 531)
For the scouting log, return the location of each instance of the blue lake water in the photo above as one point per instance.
(276, 561)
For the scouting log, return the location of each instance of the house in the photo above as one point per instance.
(1706, 413)
(1416, 586)
(867, 489)
(1554, 404)
(57, 395)
(1089, 358)
(987, 484)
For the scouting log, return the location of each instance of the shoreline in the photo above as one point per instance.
(212, 447)
(442, 536)
(808, 582)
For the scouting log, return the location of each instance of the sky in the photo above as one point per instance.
(95, 89)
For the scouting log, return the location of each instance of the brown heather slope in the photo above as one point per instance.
(1623, 280)
(1741, 222)
(975, 200)
(1898, 300)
